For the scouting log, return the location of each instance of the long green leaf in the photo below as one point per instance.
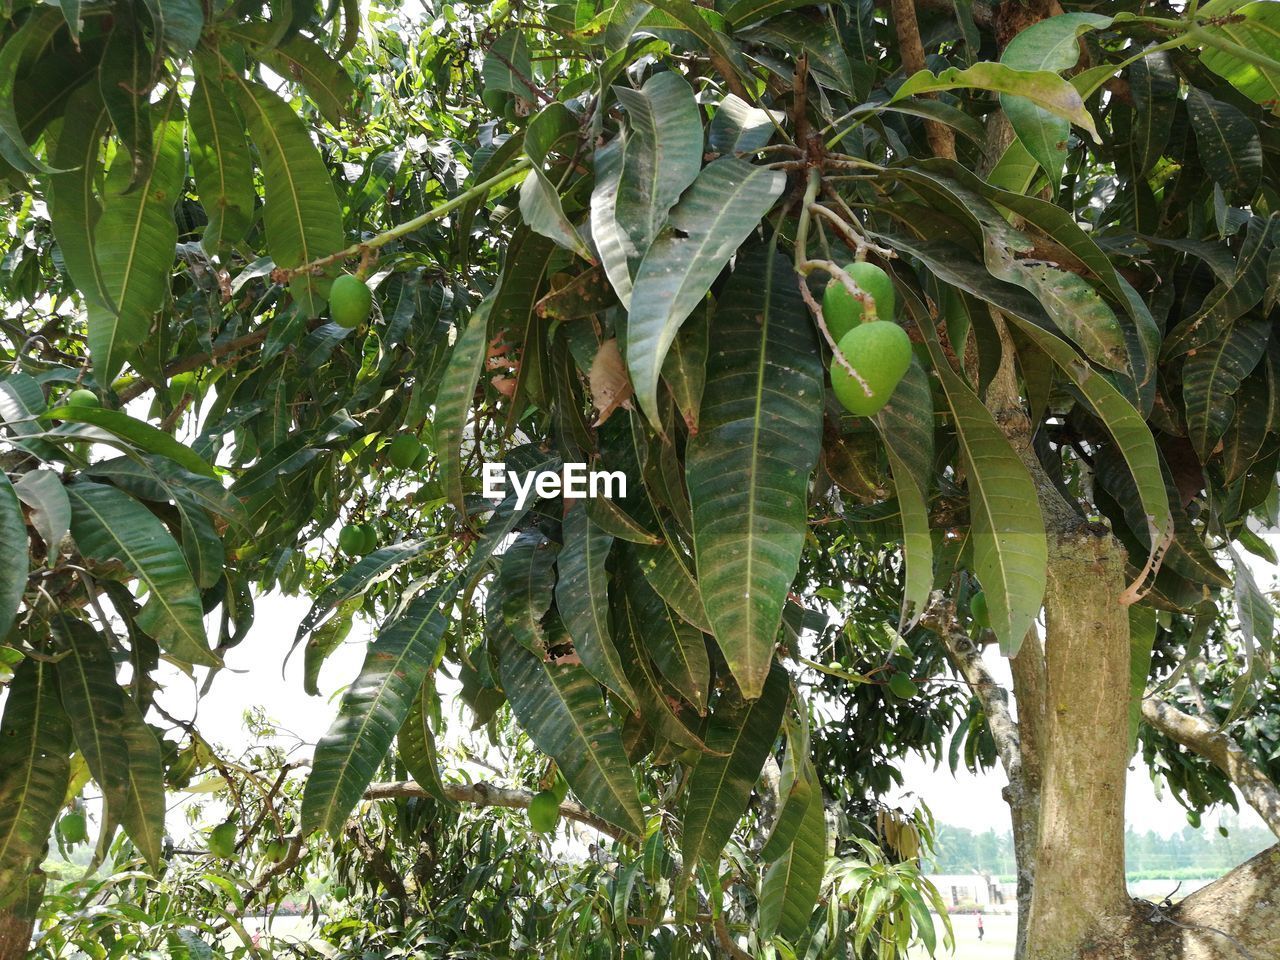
(703, 231)
(74, 208)
(35, 746)
(138, 432)
(741, 734)
(1211, 378)
(33, 33)
(453, 400)
(540, 203)
(1253, 26)
(303, 60)
(220, 159)
(526, 580)
(749, 465)
(1227, 142)
(46, 498)
(790, 888)
(582, 597)
(144, 810)
(302, 218)
(134, 246)
(559, 706)
(373, 710)
(13, 534)
(177, 23)
(417, 745)
(124, 80)
(663, 154)
(110, 527)
(678, 650)
(1010, 550)
(611, 241)
(94, 703)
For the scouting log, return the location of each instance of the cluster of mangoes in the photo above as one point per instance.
(878, 350)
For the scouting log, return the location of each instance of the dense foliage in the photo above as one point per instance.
(599, 232)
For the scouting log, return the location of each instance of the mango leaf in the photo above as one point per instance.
(663, 154)
(94, 703)
(790, 888)
(685, 369)
(13, 534)
(906, 426)
(177, 23)
(526, 580)
(1010, 551)
(1211, 378)
(417, 746)
(46, 498)
(301, 215)
(559, 705)
(144, 810)
(373, 710)
(507, 67)
(741, 734)
(111, 527)
(453, 401)
(138, 432)
(303, 60)
(1051, 44)
(749, 465)
(582, 597)
(676, 648)
(703, 231)
(1127, 427)
(134, 245)
(35, 744)
(325, 639)
(1253, 610)
(33, 34)
(124, 80)
(73, 205)
(1254, 28)
(670, 572)
(1227, 142)
(611, 241)
(220, 159)
(1046, 90)
(540, 204)
(738, 127)
(1153, 84)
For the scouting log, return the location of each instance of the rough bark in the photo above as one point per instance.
(1079, 871)
(1024, 807)
(15, 935)
(942, 139)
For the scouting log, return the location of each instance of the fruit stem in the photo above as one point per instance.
(363, 247)
(802, 228)
(803, 270)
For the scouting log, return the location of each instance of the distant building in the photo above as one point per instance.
(963, 892)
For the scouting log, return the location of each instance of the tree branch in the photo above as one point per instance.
(941, 138)
(1203, 738)
(484, 794)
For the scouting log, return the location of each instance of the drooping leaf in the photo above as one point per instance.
(507, 67)
(791, 885)
(582, 597)
(685, 369)
(669, 570)
(13, 534)
(1153, 84)
(453, 401)
(417, 745)
(611, 241)
(704, 229)
(134, 245)
(94, 703)
(741, 734)
(663, 153)
(738, 127)
(676, 648)
(45, 497)
(526, 580)
(325, 639)
(748, 467)
(1211, 378)
(144, 810)
(1010, 551)
(301, 215)
(177, 23)
(1227, 142)
(74, 208)
(33, 33)
(124, 79)
(35, 744)
(303, 60)
(110, 527)
(559, 705)
(540, 203)
(220, 159)
(139, 433)
(1251, 27)
(373, 710)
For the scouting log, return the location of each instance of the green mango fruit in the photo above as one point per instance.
(403, 451)
(880, 353)
(350, 301)
(902, 686)
(73, 828)
(544, 812)
(843, 311)
(560, 787)
(341, 893)
(276, 850)
(369, 538)
(351, 539)
(83, 398)
(222, 840)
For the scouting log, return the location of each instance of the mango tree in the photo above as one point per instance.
(615, 249)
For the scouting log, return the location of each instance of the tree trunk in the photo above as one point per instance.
(15, 934)
(1080, 887)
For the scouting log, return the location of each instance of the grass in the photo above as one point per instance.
(997, 944)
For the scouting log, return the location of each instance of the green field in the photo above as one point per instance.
(997, 944)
